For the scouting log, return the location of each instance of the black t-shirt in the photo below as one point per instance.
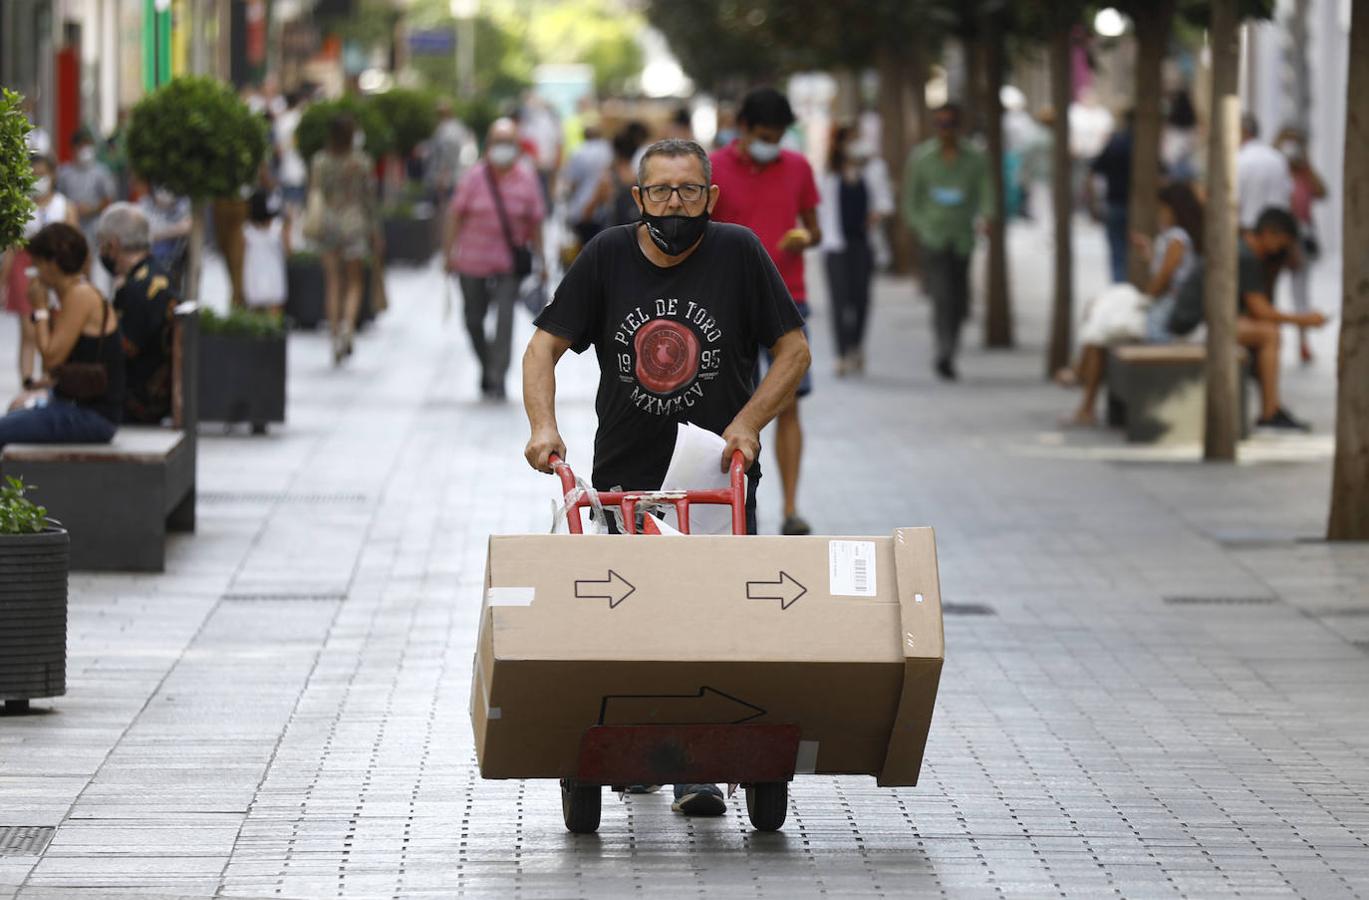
(674, 344)
(147, 310)
(1114, 164)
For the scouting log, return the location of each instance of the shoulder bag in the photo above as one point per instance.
(522, 254)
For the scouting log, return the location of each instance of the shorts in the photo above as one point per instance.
(806, 385)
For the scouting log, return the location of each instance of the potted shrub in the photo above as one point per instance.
(194, 137)
(410, 226)
(304, 292)
(34, 557)
(408, 219)
(244, 353)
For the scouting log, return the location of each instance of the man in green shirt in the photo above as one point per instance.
(945, 187)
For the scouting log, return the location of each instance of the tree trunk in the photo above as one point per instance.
(1062, 201)
(894, 135)
(1219, 239)
(998, 305)
(1350, 475)
(1152, 22)
(194, 251)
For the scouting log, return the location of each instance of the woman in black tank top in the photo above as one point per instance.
(80, 346)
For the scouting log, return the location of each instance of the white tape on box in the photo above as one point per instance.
(510, 596)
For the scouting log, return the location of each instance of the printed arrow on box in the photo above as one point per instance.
(708, 706)
(786, 590)
(610, 589)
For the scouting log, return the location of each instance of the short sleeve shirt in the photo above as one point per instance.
(146, 307)
(1251, 277)
(481, 247)
(674, 344)
(769, 200)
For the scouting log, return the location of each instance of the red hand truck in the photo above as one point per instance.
(759, 757)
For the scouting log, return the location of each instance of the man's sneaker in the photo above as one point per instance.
(699, 800)
(1282, 421)
(795, 524)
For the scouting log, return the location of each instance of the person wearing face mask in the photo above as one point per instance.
(1266, 245)
(493, 242)
(772, 191)
(1308, 188)
(87, 182)
(677, 307)
(168, 218)
(145, 302)
(945, 188)
(856, 198)
(18, 277)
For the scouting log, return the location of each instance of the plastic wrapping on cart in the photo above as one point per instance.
(598, 517)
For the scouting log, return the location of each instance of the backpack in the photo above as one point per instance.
(1188, 312)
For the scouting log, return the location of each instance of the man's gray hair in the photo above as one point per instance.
(675, 147)
(125, 223)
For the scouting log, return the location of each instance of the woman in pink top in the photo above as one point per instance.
(1307, 188)
(494, 234)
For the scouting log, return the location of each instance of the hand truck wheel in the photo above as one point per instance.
(767, 804)
(580, 806)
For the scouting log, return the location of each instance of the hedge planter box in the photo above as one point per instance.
(33, 617)
(305, 293)
(410, 239)
(242, 379)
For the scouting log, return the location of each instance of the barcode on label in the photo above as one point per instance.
(851, 569)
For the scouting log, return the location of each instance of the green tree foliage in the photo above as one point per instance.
(312, 133)
(411, 115)
(589, 32)
(195, 137)
(16, 175)
(503, 61)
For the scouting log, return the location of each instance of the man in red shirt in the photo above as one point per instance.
(771, 191)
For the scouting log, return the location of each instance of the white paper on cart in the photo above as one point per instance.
(696, 465)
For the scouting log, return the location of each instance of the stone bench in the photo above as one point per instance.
(1158, 392)
(118, 500)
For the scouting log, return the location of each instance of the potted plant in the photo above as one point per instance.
(34, 559)
(244, 352)
(410, 226)
(408, 218)
(16, 173)
(194, 137)
(304, 292)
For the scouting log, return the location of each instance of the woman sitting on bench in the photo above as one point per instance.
(1124, 315)
(80, 347)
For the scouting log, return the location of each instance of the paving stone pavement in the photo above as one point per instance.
(1162, 694)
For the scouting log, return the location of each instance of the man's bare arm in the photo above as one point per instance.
(539, 398)
(790, 359)
(1260, 308)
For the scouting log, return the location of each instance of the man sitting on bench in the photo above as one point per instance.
(146, 306)
(1257, 321)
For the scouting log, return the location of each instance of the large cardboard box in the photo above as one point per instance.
(839, 636)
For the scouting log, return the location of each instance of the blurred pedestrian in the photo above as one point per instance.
(17, 274)
(87, 182)
(1263, 178)
(1113, 165)
(494, 237)
(1308, 188)
(450, 150)
(945, 188)
(612, 202)
(341, 219)
(293, 172)
(1179, 139)
(146, 303)
(169, 221)
(772, 191)
(267, 239)
(581, 177)
(85, 402)
(856, 199)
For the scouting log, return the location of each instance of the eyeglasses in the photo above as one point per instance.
(660, 193)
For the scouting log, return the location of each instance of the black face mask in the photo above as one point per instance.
(1278, 256)
(675, 234)
(109, 263)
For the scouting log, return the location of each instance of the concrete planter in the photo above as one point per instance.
(242, 379)
(305, 293)
(410, 239)
(33, 616)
